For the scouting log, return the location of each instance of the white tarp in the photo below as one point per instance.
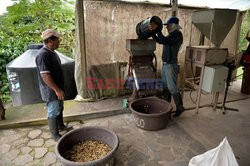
(220, 156)
(221, 4)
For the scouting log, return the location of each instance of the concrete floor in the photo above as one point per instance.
(186, 136)
(209, 128)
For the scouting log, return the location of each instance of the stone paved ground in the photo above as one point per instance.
(171, 146)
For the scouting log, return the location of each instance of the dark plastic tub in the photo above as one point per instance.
(151, 113)
(87, 133)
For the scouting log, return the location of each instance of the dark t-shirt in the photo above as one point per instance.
(172, 44)
(48, 61)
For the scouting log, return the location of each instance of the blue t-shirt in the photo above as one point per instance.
(48, 61)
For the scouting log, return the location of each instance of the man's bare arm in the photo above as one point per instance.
(50, 82)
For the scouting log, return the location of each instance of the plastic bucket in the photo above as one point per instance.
(87, 133)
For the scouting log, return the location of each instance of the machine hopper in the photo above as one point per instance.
(214, 24)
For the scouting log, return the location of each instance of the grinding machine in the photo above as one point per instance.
(142, 67)
(142, 63)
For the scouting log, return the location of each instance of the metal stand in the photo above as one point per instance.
(231, 67)
(191, 81)
(200, 62)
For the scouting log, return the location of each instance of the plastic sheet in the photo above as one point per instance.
(220, 156)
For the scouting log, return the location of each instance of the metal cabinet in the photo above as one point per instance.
(214, 78)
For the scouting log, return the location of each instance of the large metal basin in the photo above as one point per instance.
(87, 133)
(151, 113)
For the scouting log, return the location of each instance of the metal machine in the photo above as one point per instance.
(214, 78)
(141, 76)
(142, 30)
(215, 25)
(142, 68)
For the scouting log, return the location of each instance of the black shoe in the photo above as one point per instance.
(54, 128)
(179, 104)
(57, 137)
(166, 95)
(65, 128)
(178, 112)
(61, 125)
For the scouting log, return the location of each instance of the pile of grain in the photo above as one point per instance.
(87, 151)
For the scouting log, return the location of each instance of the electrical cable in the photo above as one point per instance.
(237, 76)
(190, 94)
(196, 83)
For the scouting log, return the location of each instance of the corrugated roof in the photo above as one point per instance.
(241, 5)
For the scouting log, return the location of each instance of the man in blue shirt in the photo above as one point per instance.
(170, 68)
(51, 81)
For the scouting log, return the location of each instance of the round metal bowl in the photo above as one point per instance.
(87, 133)
(151, 113)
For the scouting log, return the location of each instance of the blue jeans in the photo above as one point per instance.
(169, 77)
(55, 107)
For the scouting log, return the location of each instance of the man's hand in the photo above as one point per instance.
(60, 94)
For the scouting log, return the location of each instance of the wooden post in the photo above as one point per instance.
(2, 110)
(215, 102)
(200, 89)
(211, 34)
(174, 7)
(80, 59)
(183, 80)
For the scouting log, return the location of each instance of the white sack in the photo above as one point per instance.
(220, 156)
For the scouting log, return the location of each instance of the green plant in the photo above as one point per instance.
(23, 25)
(243, 43)
(245, 27)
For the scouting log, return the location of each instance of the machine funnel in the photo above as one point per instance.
(217, 21)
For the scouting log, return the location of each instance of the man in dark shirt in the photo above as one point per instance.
(170, 68)
(51, 81)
